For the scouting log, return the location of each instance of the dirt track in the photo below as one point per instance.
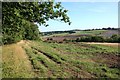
(108, 44)
(16, 61)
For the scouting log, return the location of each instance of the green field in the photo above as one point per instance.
(93, 32)
(82, 32)
(55, 60)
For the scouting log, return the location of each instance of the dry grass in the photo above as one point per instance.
(15, 62)
(107, 44)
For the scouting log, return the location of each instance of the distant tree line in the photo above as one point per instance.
(109, 28)
(114, 39)
(57, 32)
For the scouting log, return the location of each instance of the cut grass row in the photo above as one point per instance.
(84, 48)
(89, 52)
(53, 63)
(76, 57)
(37, 67)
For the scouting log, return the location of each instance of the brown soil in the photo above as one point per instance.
(61, 38)
(111, 60)
(109, 33)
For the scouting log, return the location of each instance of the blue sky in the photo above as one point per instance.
(86, 15)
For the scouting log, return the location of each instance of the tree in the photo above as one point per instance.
(31, 31)
(16, 14)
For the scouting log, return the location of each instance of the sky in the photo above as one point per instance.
(86, 15)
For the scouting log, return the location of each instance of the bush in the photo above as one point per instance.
(113, 38)
(97, 39)
(90, 39)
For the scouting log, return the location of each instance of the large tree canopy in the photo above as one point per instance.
(18, 18)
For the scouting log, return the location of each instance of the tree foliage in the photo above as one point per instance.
(114, 38)
(18, 18)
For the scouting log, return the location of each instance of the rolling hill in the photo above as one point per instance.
(79, 33)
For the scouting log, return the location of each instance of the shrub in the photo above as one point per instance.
(90, 39)
(114, 38)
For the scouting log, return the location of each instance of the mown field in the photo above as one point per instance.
(38, 59)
